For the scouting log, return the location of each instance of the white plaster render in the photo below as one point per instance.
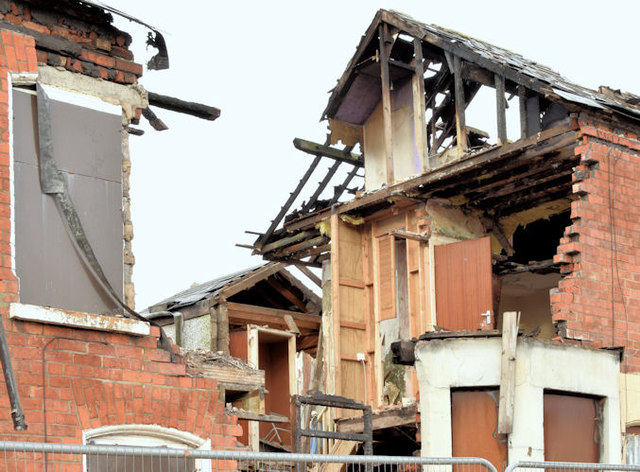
(467, 362)
(129, 97)
(74, 319)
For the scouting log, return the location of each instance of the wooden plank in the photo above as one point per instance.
(383, 32)
(334, 372)
(461, 125)
(351, 283)
(257, 407)
(463, 333)
(326, 151)
(419, 120)
(501, 110)
(253, 416)
(510, 322)
(246, 379)
(353, 324)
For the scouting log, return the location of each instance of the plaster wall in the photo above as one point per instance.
(445, 364)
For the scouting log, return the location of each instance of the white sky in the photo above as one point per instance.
(268, 66)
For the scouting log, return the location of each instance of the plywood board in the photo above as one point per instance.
(386, 278)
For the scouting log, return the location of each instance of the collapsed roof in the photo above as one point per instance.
(494, 179)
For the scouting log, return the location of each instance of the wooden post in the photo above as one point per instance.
(522, 103)
(223, 327)
(383, 31)
(213, 319)
(461, 125)
(257, 404)
(510, 322)
(419, 120)
(501, 109)
(329, 359)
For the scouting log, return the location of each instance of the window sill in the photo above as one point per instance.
(74, 319)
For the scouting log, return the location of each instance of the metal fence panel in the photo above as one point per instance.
(570, 467)
(31, 456)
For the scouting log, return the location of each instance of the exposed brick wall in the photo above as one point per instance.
(79, 39)
(598, 300)
(85, 379)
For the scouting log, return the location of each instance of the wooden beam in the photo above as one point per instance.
(252, 279)
(223, 327)
(501, 111)
(385, 79)
(288, 294)
(286, 241)
(419, 120)
(326, 151)
(510, 321)
(522, 104)
(532, 108)
(400, 233)
(181, 106)
(460, 104)
(387, 418)
(291, 324)
(313, 277)
(239, 313)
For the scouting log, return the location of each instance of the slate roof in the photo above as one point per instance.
(512, 66)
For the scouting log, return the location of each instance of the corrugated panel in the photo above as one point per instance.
(463, 284)
(571, 428)
(474, 419)
(386, 278)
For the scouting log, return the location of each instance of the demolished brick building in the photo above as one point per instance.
(453, 227)
(87, 368)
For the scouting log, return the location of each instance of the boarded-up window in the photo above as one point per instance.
(474, 421)
(571, 428)
(464, 284)
(87, 144)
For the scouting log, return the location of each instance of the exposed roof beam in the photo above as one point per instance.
(326, 151)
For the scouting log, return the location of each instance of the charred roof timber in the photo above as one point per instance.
(437, 73)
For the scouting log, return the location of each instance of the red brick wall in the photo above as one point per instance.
(598, 300)
(87, 43)
(86, 379)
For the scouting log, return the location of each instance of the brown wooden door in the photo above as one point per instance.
(464, 284)
(571, 425)
(474, 420)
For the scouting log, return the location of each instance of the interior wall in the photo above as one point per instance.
(406, 155)
(529, 294)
